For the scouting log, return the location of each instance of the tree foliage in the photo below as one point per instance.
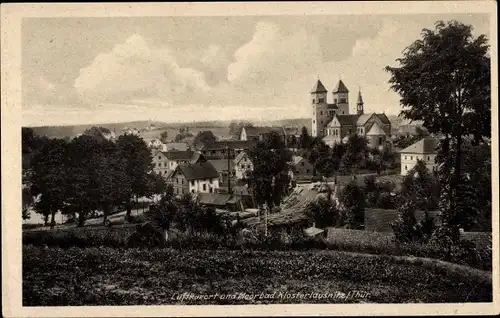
(352, 199)
(444, 80)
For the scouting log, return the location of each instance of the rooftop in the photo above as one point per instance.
(425, 145)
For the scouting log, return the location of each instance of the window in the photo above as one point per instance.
(405, 157)
(428, 158)
(211, 190)
(302, 163)
(406, 168)
(204, 187)
(192, 191)
(321, 122)
(182, 181)
(223, 151)
(192, 183)
(334, 112)
(361, 130)
(350, 132)
(335, 101)
(159, 157)
(321, 112)
(411, 157)
(314, 100)
(210, 181)
(307, 170)
(379, 140)
(321, 100)
(314, 121)
(342, 112)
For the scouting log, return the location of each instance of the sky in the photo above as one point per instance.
(178, 69)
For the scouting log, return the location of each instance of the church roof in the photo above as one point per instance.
(383, 118)
(375, 130)
(425, 145)
(363, 118)
(318, 88)
(340, 88)
(347, 119)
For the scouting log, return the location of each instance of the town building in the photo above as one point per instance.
(424, 150)
(166, 161)
(250, 133)
(301, 167)
(228, 202)
(242, 164)
(226, 148)
(225, 168)
(155, 144)
(335, 124)
(200, 177)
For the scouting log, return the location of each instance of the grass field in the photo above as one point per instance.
(106, 276)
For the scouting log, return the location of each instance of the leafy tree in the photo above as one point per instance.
(305, 139)
(49, 178)
(205, 137)
(387, 157)
(319, 152)
(164, 137)
(28, 201)
(137, 165)
(421, 187)
(444, 80)
(270, 178)
(83, 160)
(356, 152)
(406, 229)
(322, 213)
(338, 151)
(178, 137)
(111, 179)
(352, 200)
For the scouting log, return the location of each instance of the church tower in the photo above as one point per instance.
(319, 109)
(341, 98)
(359, 104)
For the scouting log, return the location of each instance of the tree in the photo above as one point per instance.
(49, 177)
(137, 165)
(305, 139)
(178, 137)
(322, 213)
(111, 179)
(421, 187)
(83, 163)
(28, 201)
(444, 80)
(270, 177)
(356, 152)
(319, 152)
(204, 137)
(353, 201)
(164, 137)
(337, 152)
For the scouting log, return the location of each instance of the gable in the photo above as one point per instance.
(334, 122)
(376, 130)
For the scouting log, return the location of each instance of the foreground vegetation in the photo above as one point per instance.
(106, 276)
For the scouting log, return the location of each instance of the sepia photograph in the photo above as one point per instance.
(251, 158)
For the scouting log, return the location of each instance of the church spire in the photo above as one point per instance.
(359, 104)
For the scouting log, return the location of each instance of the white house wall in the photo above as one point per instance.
(409, 160)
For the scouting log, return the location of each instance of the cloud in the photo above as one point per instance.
(273, 57)
(135, 70)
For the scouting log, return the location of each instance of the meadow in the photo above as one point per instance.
(113, 276)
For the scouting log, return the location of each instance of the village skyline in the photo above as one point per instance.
(129, 69)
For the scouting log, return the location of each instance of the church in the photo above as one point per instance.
(334, 122)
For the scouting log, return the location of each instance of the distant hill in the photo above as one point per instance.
(74, 130)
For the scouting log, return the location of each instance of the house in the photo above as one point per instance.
(200, 177)
(175, 146)
(258, 133)
(166, 161)
(424, 150)
(334, 123)
(227, 202)
(100, 133)
(225, 168)
(242, 164)
(226, 148)
(301, 167)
